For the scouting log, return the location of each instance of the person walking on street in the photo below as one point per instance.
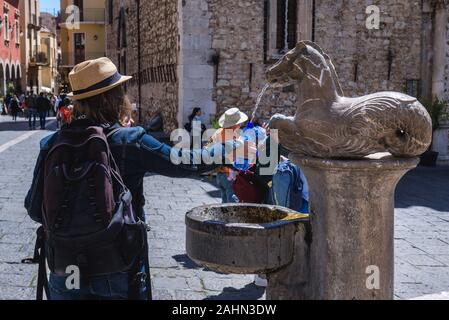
(22, 105)
(32, 112)
(43, 107)
(14, 107)
(4, 109)
(64, 113)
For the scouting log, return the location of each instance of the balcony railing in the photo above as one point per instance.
(35, 22)
(70, 59)
(39, 59)
(90, 15)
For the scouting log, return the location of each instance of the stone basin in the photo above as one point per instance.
(241, 238)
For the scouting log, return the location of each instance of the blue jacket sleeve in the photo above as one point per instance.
(35, 196)
(156, 158)
(162, 159)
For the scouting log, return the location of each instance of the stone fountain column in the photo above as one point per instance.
(352, 223)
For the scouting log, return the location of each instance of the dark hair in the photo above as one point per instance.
(66, 102)
(193, 114)
(112, 106)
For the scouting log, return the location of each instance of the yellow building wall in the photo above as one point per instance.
(93, 48)
(46, 70)
(93, 28)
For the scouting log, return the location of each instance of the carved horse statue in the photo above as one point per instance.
(329, 125)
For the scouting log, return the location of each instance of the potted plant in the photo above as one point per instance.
(436, 109)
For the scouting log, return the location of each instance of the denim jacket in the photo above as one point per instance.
(135, 152)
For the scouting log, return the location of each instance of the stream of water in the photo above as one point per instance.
(259, 100)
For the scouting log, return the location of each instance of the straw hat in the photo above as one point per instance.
(93, 77)
(231, 118)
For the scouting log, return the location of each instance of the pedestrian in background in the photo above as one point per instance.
(22, 102)
(64, 113)
(14, 107)
(55, 102)
(4, 108)
(43, 107)
(32, 111)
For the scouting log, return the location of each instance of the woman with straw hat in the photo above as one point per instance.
(99, 100)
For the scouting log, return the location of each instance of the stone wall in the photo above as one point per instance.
(180, 39)
(237, 30)
(384, 58)
(195, 68)
(446, 67)
(159, 56)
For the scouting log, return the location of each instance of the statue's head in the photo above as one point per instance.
(287, 70)
(306, 61)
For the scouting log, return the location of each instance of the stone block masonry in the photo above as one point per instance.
(366, 60)
(237, 30)
(213, 53)
(159, 48)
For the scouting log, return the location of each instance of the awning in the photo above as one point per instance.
(46, 90)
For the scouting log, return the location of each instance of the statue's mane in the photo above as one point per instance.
(329, 63)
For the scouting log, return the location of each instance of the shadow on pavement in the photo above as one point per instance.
(424, 187)
(214, 193)
(249, 292)
(6, 124)
(186, 262)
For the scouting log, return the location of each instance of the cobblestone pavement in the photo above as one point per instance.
(422, 231)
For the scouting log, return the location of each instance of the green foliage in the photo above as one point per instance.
(11, 90)
(437, 110)
(215, 124)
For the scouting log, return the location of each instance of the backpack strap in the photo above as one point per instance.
(112, 132)
(138, 277)
(39, 258)
(147, 266)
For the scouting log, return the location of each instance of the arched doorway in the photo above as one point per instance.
(13, 77)
(18, 78)
(2, 79)
(8, 77)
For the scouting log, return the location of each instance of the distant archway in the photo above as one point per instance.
(18, 77)
(2, 79)
(7, 76)
(13, 75)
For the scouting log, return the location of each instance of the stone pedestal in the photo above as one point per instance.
(352, 222)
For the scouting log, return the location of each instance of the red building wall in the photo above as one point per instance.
(10, 53)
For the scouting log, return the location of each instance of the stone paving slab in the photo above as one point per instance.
(421, 232)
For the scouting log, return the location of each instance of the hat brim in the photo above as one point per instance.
(98, 91)
(224, 125)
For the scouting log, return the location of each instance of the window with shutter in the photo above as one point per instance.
(111, 11)
(286, 24)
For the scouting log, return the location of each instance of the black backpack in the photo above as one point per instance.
(88, 219)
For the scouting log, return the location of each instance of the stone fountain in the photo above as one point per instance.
(353, 151)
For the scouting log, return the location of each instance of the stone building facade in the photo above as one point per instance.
(213, 53)
(152, 60)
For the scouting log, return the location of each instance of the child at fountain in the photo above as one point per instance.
(231, 123)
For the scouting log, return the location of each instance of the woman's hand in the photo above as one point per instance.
(128, 123)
